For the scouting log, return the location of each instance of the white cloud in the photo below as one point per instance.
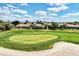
(5, 7)
(51, 4)
(65, 16)
(15, 9)
(60, 4)
(9, 13)
(6, 14)
(71, 14)
(6, 17)
(27, 16)
(57, 4)
(47, 18)
(41, 13)
(17, 15)
(24, 4)
(58, 9)
(5, 11)
(11, 6)
(53, 14)
(19, 11)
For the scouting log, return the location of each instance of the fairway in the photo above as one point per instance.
(30, 39)
(35, 40)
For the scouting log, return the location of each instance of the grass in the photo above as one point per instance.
(32, 40)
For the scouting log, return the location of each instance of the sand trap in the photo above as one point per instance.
(60, 49)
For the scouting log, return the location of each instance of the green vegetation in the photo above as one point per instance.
(32, 40)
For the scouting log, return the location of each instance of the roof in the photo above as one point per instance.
(72, 25)
(22, 25)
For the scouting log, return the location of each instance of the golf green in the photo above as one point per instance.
(30, 39)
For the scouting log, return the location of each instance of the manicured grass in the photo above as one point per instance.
(32, 40)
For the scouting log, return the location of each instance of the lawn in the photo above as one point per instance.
(32, 40)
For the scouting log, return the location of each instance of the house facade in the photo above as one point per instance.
(21, 26)
(75, 26)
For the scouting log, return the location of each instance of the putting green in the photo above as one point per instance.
(30, 39)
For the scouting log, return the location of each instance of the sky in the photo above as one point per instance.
(49, 12)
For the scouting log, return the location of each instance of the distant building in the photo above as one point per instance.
(38, 26)
(28, 25)
(2, 27)
(72, 25)
(61, 23)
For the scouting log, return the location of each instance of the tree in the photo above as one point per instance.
(63, 27)
(1, 21)
(39, 22)
(26, 22)
(54, 25)
(7, 27)
(46, 26)
(15, 22)
(76, 22)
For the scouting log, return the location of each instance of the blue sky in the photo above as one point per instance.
(58, 12)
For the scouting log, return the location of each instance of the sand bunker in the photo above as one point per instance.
(60, 49)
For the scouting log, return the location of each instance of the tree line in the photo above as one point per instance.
(52, 26)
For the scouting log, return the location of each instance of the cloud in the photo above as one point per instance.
(17, 15)
(58, 9)
(19, 11)
(65, 16)
(5, 7)
(11, 6)
(41, 13)
(47, 18)
(71, 14)
(10, 13)
(57, 4)
(27, 16)
(5, 13)
(7, 17)
(14, 9)
(5, 10)
(24, 4)
(51, 4)
(43, 16)
(53, 14)
(60, 4)
(70, 17)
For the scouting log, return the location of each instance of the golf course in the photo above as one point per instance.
(36, 40)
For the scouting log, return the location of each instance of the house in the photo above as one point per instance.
(20, 26)
(61, 23)
(2, 28)
(38, 26)
(72, 25)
